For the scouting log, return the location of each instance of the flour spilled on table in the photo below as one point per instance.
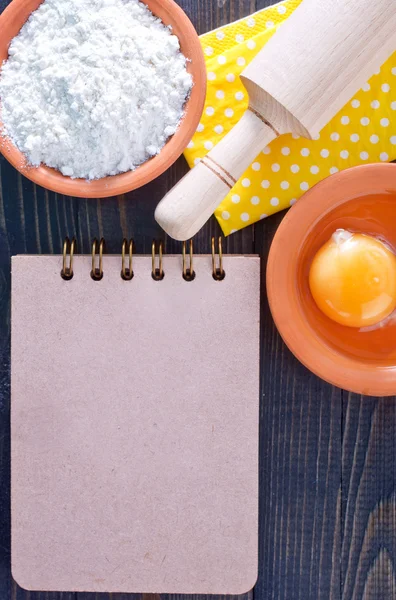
(93, 87)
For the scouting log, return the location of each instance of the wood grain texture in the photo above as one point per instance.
(319, 58)
(368, 507)
(301, 419)
(327, 458)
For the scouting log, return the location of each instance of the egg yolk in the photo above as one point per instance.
(353, 279)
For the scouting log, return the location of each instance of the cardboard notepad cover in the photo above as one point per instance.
(135, 427)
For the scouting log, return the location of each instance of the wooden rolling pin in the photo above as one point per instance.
(318, 59)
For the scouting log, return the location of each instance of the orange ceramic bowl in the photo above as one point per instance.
(362, 199)
(12, 20)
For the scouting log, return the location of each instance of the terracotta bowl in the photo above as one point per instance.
(362, 199)
(12, 20)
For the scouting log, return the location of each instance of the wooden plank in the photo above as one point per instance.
(210, 14)
(5, 538)
(368, 554)
(300, 469)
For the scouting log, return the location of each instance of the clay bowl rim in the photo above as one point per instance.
(337, 369)
(11, 21)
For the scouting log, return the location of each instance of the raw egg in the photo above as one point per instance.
(353, 279)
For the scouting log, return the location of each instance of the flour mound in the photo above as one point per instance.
(93, 87)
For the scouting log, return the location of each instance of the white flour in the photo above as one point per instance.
(93, 87)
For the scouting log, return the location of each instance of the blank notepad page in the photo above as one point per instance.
(135, 427)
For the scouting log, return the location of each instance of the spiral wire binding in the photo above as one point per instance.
(157, 273)
(69, 248)
(218, 271)
(97, 272)
(188, 272)
(127, 272)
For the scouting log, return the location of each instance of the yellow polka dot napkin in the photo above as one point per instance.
(363, 131)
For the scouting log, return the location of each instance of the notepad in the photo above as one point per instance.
(135, 427)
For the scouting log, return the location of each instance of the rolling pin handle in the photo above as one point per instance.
(187, 207)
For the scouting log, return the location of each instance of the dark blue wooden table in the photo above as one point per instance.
(327, 457)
